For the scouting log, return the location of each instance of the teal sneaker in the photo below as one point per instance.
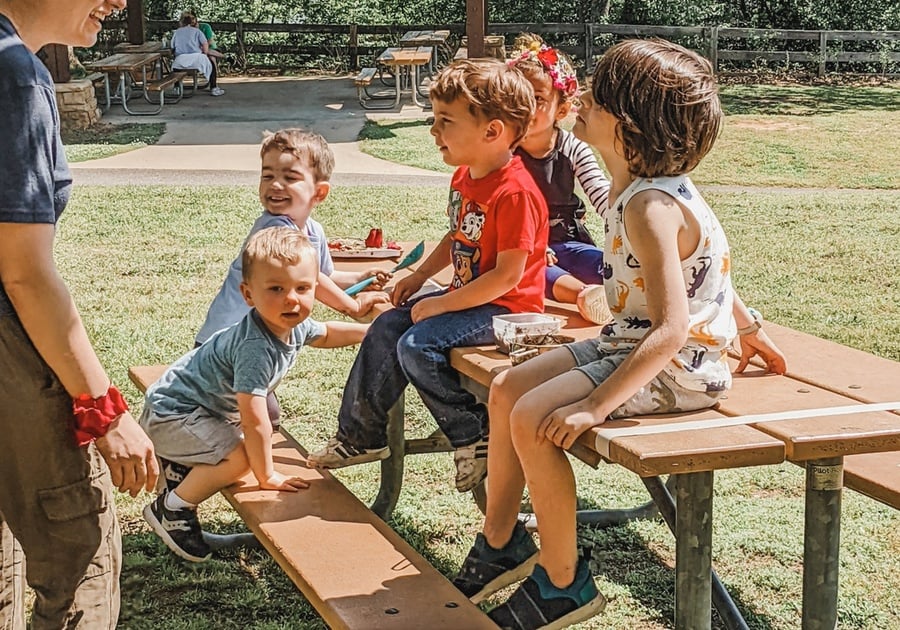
(486, 570)
(537, 603)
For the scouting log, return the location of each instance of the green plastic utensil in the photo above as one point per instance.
(413, 256)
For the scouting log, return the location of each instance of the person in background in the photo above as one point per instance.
(213, 51)
(68, 438)
(191, 52)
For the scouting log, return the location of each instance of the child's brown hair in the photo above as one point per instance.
(277, 243)
(493, 90)
(304, 145)
(666, 101)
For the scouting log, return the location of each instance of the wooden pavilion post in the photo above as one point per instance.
(56, 58)
(476, 26)
(136, 21)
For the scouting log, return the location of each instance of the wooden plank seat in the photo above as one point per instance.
(173, 81)
(351, 566)
(196, 82)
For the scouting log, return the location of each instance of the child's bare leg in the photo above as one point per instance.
(566, 288)
(506, 480)
(548, 473)
(204, 480)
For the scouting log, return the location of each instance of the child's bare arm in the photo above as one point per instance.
(258, 444)
(756, 342)
(483, 289)
(346, 279)
(338, 334)
(654, 223)
(331, 295)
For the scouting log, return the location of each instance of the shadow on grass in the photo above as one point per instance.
(382, 131)
(806, 101)
(237, 588)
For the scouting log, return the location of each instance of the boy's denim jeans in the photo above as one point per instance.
(396, 352)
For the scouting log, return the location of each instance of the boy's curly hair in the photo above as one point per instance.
(277, 243)
(304, 145)
(493, 90)
(666, 100)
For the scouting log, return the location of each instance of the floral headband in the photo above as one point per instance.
(558, 67)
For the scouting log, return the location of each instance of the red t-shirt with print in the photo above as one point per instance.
(503, 210)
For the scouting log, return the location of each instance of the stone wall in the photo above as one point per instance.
(77, 104)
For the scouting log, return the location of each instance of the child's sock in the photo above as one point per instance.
(174, 502)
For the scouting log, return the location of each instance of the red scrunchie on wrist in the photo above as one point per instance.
(94, 415)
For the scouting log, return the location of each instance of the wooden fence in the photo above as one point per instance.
(352, 45)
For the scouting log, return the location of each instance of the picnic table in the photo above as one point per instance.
(436, 39)
(816, 415)
(405, 64)
(124, 67)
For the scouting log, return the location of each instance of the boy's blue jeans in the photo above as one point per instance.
(396, 352)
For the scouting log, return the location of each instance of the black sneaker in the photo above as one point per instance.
(173, 473)
(486, 570)
(539, 604)
(179, 529)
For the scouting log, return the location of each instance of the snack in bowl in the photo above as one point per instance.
(527, 347)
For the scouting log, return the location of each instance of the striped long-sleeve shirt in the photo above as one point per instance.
(570, 160)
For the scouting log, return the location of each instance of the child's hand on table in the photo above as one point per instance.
(277, 481)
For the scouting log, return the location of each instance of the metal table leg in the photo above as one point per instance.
(721, 599)
(392, 467)
(821, 542)
(693, 551)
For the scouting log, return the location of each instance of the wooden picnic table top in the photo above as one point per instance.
(148, 46)
(397, 56)
(424, 38)
(125, 62)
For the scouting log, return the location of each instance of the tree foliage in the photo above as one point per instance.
(786, 14)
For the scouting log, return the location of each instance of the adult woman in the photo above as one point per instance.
(67, 435)
(192, 52)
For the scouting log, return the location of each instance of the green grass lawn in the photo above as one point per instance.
(104, 140)
(792, 137)
(144, 263)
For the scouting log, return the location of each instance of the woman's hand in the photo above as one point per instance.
(563, 426)
(277, 481)
(129, 454)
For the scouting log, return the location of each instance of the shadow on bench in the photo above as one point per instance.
(351, 566)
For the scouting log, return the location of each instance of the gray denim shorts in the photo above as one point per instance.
(197, 438)
(661, 395)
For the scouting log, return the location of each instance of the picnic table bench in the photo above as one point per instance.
(350, 565)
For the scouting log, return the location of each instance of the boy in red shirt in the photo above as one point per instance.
(497, 237)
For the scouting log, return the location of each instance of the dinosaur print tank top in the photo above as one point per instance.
(701, 364)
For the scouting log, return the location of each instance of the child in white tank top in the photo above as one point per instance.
(653, 113)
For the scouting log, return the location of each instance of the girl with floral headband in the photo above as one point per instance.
(556, 159)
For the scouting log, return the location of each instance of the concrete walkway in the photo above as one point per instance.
(216, 139)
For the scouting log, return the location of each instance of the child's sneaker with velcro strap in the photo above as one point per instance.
(537, 603)
(338, 453)
(179, 529)
(471, 465)
(486, 570)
